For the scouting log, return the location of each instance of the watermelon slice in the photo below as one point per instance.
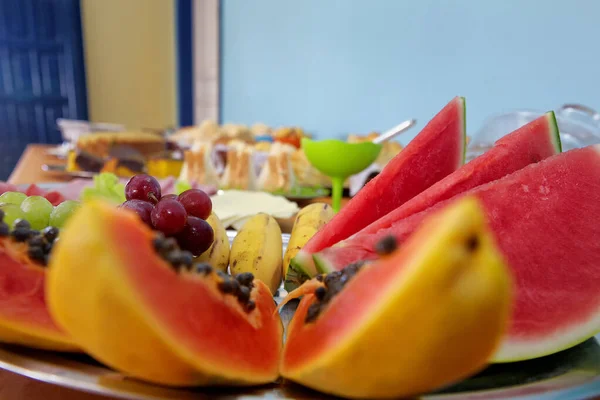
(544, 220)
(529, 144)
(437, 151)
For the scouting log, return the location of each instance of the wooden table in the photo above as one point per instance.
(29, 167)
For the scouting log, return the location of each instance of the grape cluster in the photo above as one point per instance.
(182, 217)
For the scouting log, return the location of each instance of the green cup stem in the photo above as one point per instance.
(337, 188)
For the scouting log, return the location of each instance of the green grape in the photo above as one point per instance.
(181, 186)
(118, 191)
(37, 211)
(13, 198)
(62, 213)
(106, 187)
(12, 212)
(105, 181)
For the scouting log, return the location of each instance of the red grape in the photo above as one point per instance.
(143, 187)
(168, 216)
(196, 237)
(169, 196)
(196, 203)
(141, 208)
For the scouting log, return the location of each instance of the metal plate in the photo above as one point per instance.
(571, 374)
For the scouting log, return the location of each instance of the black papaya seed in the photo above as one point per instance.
(229, 286)
(21, 223)
(36, 253)
(21, 234)
(386, 246)
(250, 306)
(50, 233)
(245, 278)
(312, 313)
(4, 229)
(320, 293)
(36, 241)
(243, 294)
(203, 268)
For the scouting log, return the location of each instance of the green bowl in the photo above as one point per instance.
(339, 160)
(336, 158)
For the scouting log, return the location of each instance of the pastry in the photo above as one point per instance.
(198, 165)
(239, 171)
(100, 143)
(277, 174)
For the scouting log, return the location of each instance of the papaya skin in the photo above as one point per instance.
(39, 332)
(439, 318)
(94, 302)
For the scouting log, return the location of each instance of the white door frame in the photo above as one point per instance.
(206, 26)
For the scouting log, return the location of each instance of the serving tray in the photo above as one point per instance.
(570, 374)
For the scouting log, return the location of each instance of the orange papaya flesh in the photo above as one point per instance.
(424, 317)
(24, 316)
(153, 322)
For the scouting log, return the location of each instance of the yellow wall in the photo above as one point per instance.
(130, 61)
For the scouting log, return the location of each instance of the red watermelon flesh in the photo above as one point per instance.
(529, 144)
(544, 219)
(54, 197)
(34, 190)
(437, 151)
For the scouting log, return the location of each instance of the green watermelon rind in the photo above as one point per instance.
(554, 131)
(500, 358)
(323, 267)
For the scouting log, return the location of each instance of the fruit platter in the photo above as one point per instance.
(438, 279)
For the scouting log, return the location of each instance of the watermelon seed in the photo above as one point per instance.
(386, 246)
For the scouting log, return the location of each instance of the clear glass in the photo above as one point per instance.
(579, 126)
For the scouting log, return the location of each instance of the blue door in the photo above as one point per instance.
(42, 74)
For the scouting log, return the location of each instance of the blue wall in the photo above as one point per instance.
(338, 66)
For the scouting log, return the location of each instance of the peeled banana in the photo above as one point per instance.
(218, 254)
(308, 221)
(257, 248)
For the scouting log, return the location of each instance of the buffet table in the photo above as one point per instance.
(29, 170)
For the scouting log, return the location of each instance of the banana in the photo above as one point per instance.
(218, 253)
(308, 221)
(257, 248)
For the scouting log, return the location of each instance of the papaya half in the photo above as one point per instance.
(24, 316)
(124, 304)
(423, 316)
